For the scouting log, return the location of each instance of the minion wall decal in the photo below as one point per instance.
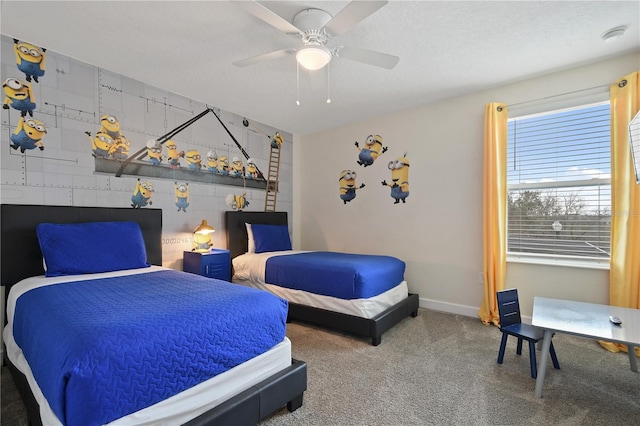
(182, 196)
(373, 149)
(194, 159)
(348, 185)
(142, 194)
(28, 134)
(237, 202)
(276, 140)
(223, 166)
(399, 179)
(101, 144)
(173, 156)
(154, 152)
(252, 169)
(110, 125)
(212, 161)
(120, 149)
(237, 169)
(30, 59)
(110, 143)
(18, 95)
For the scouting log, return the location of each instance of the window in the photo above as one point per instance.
(559, 184)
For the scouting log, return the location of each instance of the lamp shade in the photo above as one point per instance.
(313, 57)
(204, 228)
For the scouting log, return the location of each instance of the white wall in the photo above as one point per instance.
(438, 231)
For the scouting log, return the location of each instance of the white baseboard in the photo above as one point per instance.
(454, 308)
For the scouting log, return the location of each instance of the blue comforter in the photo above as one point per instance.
(105, 348)
(341, 275)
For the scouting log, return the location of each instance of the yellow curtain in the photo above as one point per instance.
(494, 226)
(624, 276)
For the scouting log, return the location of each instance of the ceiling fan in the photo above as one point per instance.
(314, 28)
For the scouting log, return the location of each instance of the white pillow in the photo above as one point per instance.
(251, 246)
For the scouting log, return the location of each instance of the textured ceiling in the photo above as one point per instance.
(446, 48)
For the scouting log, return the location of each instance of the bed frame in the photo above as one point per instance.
(21, 258)
(237, 243)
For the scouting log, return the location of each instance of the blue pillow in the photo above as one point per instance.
(88, 248)
(271, 237)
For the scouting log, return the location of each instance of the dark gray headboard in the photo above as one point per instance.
(237, 240)
(20, 251)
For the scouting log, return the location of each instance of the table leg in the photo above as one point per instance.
(632, 358)
(544, 357)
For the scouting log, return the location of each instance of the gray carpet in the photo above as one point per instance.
(440, 369)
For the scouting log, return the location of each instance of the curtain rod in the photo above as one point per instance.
(558, 95)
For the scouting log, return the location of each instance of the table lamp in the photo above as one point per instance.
(202, 237)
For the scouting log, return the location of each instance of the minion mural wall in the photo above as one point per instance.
(93, 121)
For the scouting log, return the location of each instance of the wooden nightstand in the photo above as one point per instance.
(213, 264)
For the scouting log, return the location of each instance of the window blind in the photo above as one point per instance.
(559, 183)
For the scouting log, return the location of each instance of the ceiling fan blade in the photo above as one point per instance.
(271, 18)
(349, 17)
(262, 58)
(370, 57)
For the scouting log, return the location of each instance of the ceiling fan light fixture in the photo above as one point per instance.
(313, 57)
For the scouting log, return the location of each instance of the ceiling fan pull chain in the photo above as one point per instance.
(328, 84)
(297, 83)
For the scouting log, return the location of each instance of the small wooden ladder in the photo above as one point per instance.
(272, 179)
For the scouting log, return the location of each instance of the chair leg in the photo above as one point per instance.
(503, 345)
(532, 359)
(519, 348)
(554, 358)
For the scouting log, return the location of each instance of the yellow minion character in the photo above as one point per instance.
(28, 134)
(237, 202)
(173, 156)
(237, 167)
(30, 59)
(223, 166)
(142, 194)
(110, 125)
(252, 169)
(371, 151)
(194, 159)
(154, 151)
(399, 178)
(212, 161)
(120, 149)
(101, 144)
(182, 196)
(348, 185)
(19, 95)
(276, 140)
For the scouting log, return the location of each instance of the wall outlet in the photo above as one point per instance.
(480, 277)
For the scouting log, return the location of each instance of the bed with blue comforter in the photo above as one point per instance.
(98, 335)
(364, 294)
(104, 348)
(341, 275)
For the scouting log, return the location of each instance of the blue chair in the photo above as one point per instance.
(511, 324)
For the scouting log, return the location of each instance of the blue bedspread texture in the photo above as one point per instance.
(105, 348)
(342, 275)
